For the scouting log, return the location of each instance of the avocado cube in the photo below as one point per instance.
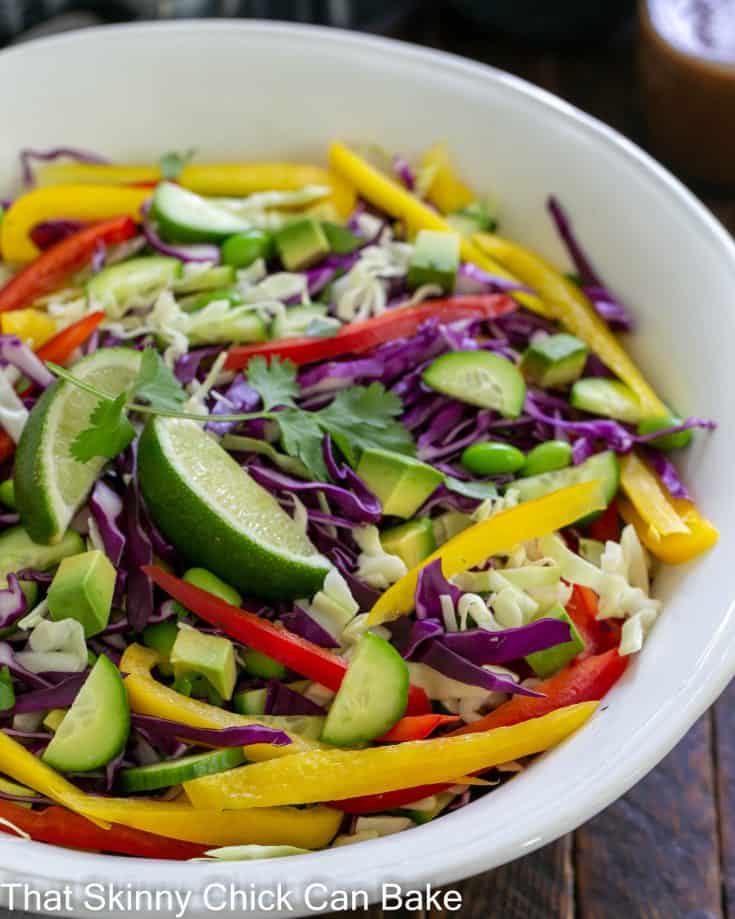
(161, 637)
(554, 361)
(401, 483)
(412, 542)
(250, 702)
(301, 244)
(54, 718)
(210, 656)
(477, 217)
(546, 663)
(435, 260)
(260, 665)
(82, 589)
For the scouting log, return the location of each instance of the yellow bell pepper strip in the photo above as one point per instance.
(676, 548)
(389, 196)
(445, 190)
(224, 179)
(87, 203)
(149, 697)
(34, 327)
(309, 829)
(498, 534)
(332, 774)
(649, 497)
(570, 306)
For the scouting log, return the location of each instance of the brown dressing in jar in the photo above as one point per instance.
(687, 63)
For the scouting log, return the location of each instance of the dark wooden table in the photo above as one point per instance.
(667, 849)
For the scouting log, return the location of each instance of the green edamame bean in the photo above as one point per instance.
(242, 249)
(649, 425)
(204, 579)
(492, 459)
(262, 666)
(547, 457)
(7, 493)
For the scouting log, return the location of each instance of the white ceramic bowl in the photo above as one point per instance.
(256, 90)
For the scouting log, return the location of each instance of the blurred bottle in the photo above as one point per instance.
(549, 20)
(687, 64)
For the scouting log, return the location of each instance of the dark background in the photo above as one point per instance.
(667, 849)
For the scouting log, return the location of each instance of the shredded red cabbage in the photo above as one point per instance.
(301, 623)
(667, 472)
(430, 586)
(138, 552)
(282, 700)
(356, 504)
(61, 695)
(239, 397)
(404, 172)
(408, 635)
(212, 737)
(187, 367)
(610, 309)
(106, 507)
(46, 156)
(480, 646)
(439, 657)
(192, 252)
(13, 603)
(16, 353)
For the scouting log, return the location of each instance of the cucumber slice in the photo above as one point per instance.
(604, 467)
(96, 727)
(185, 217)
(373, 695)
(250, 702)
(212, 279)
(115, 287)
(175, 771)
(609, 398)
(196, 302)
(479, 378)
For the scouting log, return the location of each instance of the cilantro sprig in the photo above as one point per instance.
(357, 418)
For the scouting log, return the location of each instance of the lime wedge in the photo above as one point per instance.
(221, 519)
(50, 485)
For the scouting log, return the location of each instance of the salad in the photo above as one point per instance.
(325, 507)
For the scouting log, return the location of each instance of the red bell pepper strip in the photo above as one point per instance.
(52, 267)
(291, 650)
(582, 681)
(607, 525)
(599, 635)
(416, 727)
(361, 336)
(7, 446)
(61, 827)
(388, 801)
(61, 347)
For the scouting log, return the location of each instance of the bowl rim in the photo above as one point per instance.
(434, 862)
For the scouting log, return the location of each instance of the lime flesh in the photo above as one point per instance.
(219, 517)
(50, 485)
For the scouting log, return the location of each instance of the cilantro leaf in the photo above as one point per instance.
(479, 490)
(108, 434)
(302, 437)
(275, 382)
(172, 163)
(365, 416)
(157, 384)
